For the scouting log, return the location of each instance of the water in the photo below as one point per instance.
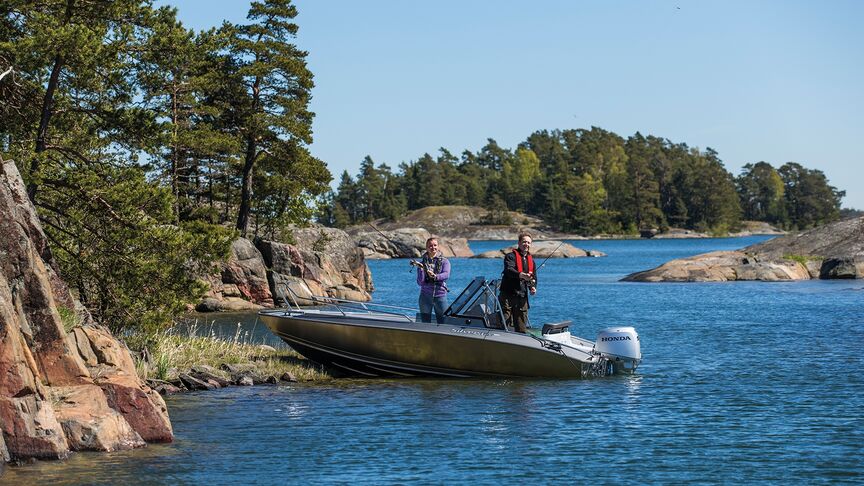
(743, 381)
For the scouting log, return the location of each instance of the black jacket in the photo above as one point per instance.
(510, 282)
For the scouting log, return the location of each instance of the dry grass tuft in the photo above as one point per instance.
(176, 350)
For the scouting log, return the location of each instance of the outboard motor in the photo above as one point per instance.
(620, 345)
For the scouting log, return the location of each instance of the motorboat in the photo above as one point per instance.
(363, 339)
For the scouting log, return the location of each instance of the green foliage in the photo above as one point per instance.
(112, 233)
(497, 213)
(264, 100)
(68, 317)
(147, 135)
(589, 182)
(803, 259)
(810, 200)
(321, 244)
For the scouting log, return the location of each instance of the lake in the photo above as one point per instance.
(741, 381)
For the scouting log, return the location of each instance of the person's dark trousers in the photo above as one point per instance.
(515, 310)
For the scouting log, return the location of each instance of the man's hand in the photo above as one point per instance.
(533, 290)
(525, 276)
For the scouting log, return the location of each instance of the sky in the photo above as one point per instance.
(772, 81)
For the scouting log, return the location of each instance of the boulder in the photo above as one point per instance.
(192, 383)
(722, 266)
(842, 267)
(834, 250)
(52, 396)
(407, 243)
(241, 283)
(545, 249)
(324, 262)
(88, 421)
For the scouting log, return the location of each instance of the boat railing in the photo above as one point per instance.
(342, 304)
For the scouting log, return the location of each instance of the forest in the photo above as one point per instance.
(148, 147)
(591, 181)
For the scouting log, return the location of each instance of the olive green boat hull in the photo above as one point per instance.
(386, 345)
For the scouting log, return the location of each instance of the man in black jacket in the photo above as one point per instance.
(519, 280)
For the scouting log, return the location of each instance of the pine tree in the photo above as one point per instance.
(268, 107)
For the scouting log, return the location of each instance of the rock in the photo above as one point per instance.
(236, 368)
(89, 423)
(245, 380)
(326, 262)
(271, 380)
(193, 383)
(835, 250)
(678, 233)
(407, 243)
(287, 376)
(4, 455)
(209, 375)
(842, 268)
(163, 387)
(401, 243)
(464, 222)
(840, 239)
(56, 390)
(543, 249)
(142, 407)
(721, 266)
(241, 283)
(31, 429)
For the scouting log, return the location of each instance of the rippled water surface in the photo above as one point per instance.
(742, 381)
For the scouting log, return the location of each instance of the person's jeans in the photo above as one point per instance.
(427, 303)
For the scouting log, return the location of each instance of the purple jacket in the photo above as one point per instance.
(438, 288)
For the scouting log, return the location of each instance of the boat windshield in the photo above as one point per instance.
(478, 301)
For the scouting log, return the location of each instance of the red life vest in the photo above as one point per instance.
(519, 262)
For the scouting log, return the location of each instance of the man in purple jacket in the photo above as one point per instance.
(432, 277)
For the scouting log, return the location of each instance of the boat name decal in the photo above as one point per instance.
(616, 338)
(468, 331)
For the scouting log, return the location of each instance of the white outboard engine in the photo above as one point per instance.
(620, 345)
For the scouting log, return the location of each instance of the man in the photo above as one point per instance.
(519, 280)
(432, 275)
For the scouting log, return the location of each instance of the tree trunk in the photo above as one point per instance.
(251, 155)
(246, 193)
(45, 119)
(47, 111)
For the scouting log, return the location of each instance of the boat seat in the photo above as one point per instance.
(556, 327)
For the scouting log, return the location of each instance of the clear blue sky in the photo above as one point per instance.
(764, 80)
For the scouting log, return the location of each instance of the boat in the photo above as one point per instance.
(371, 340)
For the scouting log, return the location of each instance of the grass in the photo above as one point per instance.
(802, 259)
(68, 318)
(176, 350)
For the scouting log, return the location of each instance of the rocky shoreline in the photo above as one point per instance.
(832, 251)
(67, 384)
(331, 262)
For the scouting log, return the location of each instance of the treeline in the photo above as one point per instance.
(143, 143)
(591, 182)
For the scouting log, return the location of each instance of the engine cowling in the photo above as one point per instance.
(619, 344)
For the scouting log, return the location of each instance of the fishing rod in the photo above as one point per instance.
(412, 261)
(388, 239)
(550, 255)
